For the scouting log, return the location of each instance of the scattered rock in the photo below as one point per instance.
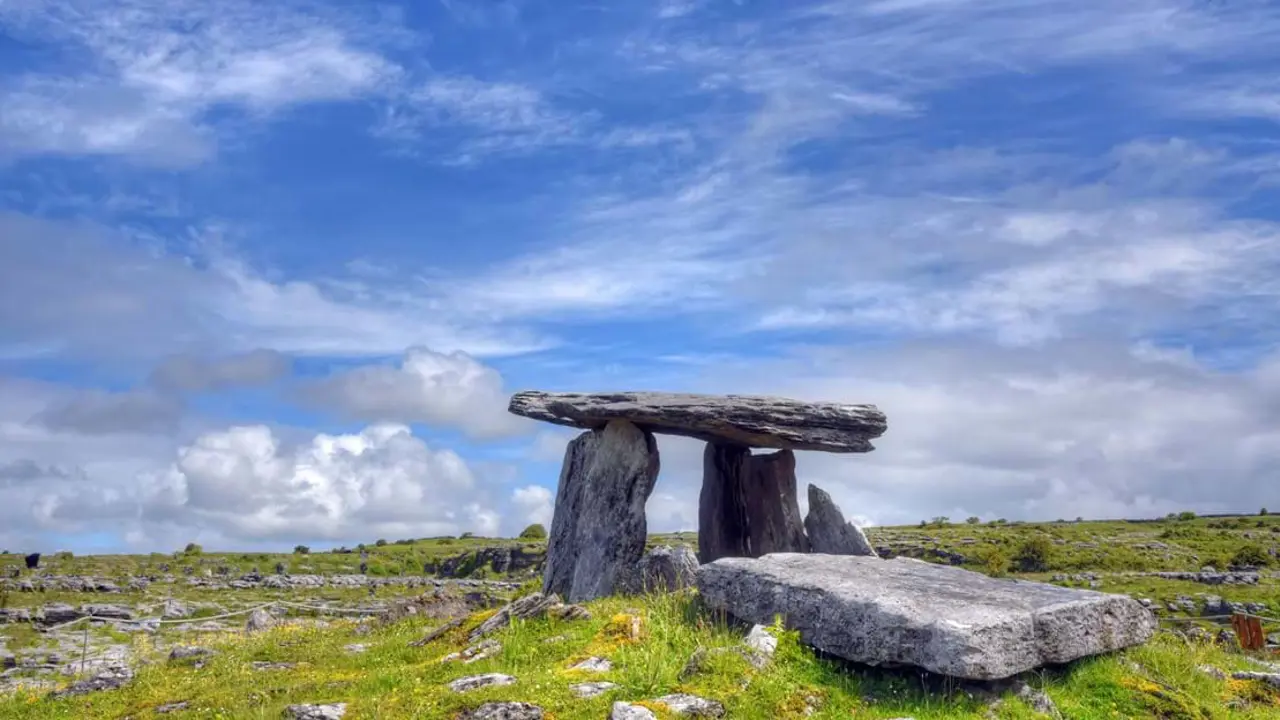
(907, 612)
(828, 530)
(686, 705)
(175, 610)
(438, 632)
(356, 648)
(663, 569)
(260, 620)
(748, 421)
(1037, 700)
(334, 711)
(593, 664)
(171, 707)
(264, 666)
(108, 679)
(530, 606)
(504, 711)
(109, 612)
(1272, 679)
(1213, 672)
(569, 612)
(188, 652)
(591, 689)
(480, 651)
(762, 645)
(598, 530)
(627, 711)
(475, 682)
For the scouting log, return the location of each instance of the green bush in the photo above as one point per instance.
(534, 532)
(972, 520)
(1033, 554)
(192, 549)
(993, 561)
(1251, 555)
(381, 542)
(301, 550)
(1186, 515)
(1263, 511)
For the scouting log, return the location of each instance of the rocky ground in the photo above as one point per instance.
(148, 637)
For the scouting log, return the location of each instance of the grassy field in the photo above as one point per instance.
(391, 678)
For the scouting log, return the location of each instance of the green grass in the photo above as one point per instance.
(394, 680)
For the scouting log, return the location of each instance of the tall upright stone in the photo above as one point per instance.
(598, 531)
(748, 505)
(829, 533)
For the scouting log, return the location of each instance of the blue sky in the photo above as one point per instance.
(269, 271)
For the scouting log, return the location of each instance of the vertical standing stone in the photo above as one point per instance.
(598, 531)
(748, 505)
(829, 533)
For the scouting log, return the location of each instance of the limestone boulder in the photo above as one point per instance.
(905, 612)
(747, 420)
(747, 506)
(663, 569)
(829, 533)
(598, 530)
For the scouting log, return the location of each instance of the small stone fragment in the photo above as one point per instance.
(593, 664)
(263, 666)
(187, 652)
(438, 632)
(1216, 673)
(591, 689)
(1038, 700)
(333, 711)
(356, 648)
(475, 682)
(260, 620)
(686, 705)
(1272, 679)
(109, 679)
(530, 606)
(504, 711)
(569, 612)
(171, 707)
(762, 646)
(627, 711)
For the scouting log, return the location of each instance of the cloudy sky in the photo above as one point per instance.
(269, 271)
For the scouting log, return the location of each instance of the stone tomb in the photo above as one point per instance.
(747, 507)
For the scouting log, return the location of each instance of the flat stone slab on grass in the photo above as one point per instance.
(909, 612)
(748, 420)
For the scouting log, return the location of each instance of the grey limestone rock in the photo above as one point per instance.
(591, 689)
(829, 533)
(108, 679)
(748, 420)
(333, 711)
(504, 711)
(598, 531)
(627, 711)
(686, 705)
(530, 606)
(475, 682)
(593, 664)
(1272, 679)
(747, 506)
(663, 569)
(908, 612)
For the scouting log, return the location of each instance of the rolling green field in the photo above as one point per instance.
(391, 678)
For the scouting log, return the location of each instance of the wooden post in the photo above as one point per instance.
(1249, 631)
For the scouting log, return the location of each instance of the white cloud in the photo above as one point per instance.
(536, 503)
(450, 390)
(96, 412)
(157, 69)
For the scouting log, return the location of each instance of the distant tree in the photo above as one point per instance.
(973, 520)
(1001, 521)
(381, 542)
(1263, 511)
(466, 535)
(1186, 515)
(192, 549)
(1079, 519)
(301, 550)
(360, 547)
(534, 532)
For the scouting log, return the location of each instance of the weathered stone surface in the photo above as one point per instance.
(108, 679)
(749, 420)
(908, 612)
(593, 664)
(591, 689)
(333, 711)
(1272, 679)
(748, 506)
(686, 705)
(663, 569)
(475, 682)
(530, 606)
(260, 620)
(598, 531)
(504, 711)
(627, 711)
(829, 533)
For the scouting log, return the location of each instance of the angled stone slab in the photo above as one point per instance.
(908, 612)
(747, 420)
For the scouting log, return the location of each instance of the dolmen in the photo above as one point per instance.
(747, 506)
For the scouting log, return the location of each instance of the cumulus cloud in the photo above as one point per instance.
(245, 482)
(446, 390)
(535, 503)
